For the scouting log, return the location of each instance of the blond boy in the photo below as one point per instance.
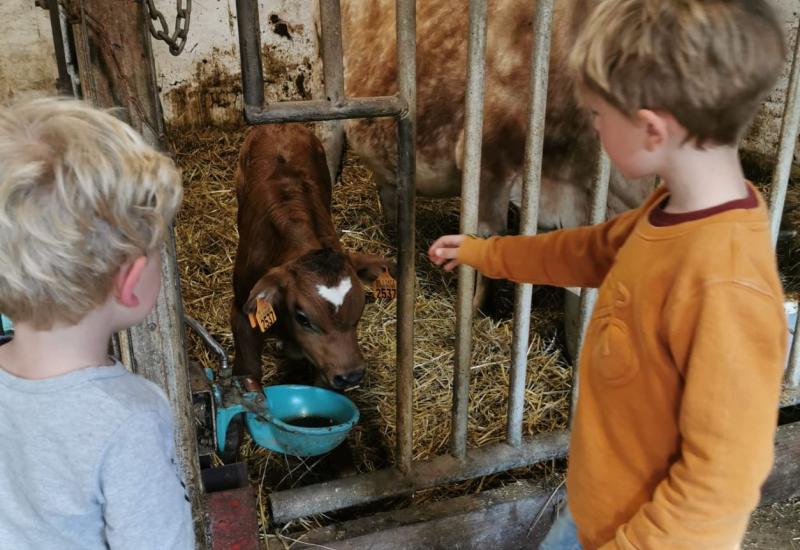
(682, 362)
(87, 451)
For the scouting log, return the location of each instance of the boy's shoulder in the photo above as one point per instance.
(127, 393)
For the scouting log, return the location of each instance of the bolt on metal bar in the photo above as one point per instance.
(789, 129)
(317, 110)
(365, 488)
(211, 342)
(470, 191)
(589, 295)
(531, 187)
(406, 169)
(793, 370)
(250, 54)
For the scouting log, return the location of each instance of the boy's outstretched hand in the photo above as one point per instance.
(445, 249)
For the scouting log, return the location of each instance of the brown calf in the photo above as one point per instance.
(290, 256)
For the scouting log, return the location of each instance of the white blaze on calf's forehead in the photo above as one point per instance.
(336, 294)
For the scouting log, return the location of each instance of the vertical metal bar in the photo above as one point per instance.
(470, 190)
(589, 295)
(789, 129)
(332, 134)
(69, 51)
(406, 167)
(250, 53)
(332, 56)
(540, 63)
(64, 81)
(793, 370)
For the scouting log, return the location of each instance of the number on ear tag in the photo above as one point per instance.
(264, 316)
(385, 286)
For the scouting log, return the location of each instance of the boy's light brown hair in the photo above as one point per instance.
(709, 63)
(81, 194)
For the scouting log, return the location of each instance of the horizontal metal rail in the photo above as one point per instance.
(365, 488)
(319, 109)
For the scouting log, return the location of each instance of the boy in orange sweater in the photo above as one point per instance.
(681, 367)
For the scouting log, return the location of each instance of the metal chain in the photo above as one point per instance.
(177, 40)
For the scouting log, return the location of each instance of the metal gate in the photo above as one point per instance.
(517, 451)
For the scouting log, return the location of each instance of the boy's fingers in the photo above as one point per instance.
(451, 265)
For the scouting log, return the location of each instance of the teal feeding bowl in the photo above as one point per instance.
(297, 420)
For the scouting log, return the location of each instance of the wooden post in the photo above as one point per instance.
(116, 69)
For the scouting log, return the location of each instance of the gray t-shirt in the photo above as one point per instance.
(87, 461)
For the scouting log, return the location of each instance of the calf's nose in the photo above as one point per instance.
(341, 381)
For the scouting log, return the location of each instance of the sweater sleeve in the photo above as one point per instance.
(571, 257)
(733, 364)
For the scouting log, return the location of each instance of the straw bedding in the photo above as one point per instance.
(206, 239)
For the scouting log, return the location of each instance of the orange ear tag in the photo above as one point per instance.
(264, 317)
(385, 286)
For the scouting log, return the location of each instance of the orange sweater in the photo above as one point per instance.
(680, 371)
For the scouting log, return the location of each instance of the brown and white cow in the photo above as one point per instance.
(570, 144)
(290, 256)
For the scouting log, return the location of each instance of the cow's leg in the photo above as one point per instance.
(387, 190)
(247, 344)
(493, 206)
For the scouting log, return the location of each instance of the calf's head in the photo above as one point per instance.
(319, 299)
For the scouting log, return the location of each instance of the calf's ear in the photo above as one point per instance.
(271, 288)
(368, 267)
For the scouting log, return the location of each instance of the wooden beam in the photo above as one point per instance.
(116, 69)
(497, 519)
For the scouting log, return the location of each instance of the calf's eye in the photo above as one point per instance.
(302, 319)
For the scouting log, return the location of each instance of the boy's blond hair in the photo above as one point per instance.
(81, 193)
(707, 62)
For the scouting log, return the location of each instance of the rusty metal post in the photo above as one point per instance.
(540, 64)
(470, 192)
(406, 170)
(330, 15)
(247, 21)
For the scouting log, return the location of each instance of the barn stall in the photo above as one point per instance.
(201, 93)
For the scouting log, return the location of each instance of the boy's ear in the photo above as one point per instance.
(126, 281)
(368, 267)
(270, 287)
(656, 128)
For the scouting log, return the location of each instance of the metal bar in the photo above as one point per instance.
(470, 191)
(316, 110)
(793, 369)
(540, 63)
(210, 341)
(250, 54)
(589, 295)
(342, 493)
(69, 51)
(332, 131)
(64, 81)
(406, 170)
(789, 128)
(332, 57)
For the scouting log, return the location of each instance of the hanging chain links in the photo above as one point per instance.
(177, 40)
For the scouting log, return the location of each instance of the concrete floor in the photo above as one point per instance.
(775, 527)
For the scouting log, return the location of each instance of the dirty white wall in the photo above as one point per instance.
(26, 50)
(202, 85)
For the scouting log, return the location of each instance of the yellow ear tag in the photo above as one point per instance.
(385, 286)
(265, 315)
